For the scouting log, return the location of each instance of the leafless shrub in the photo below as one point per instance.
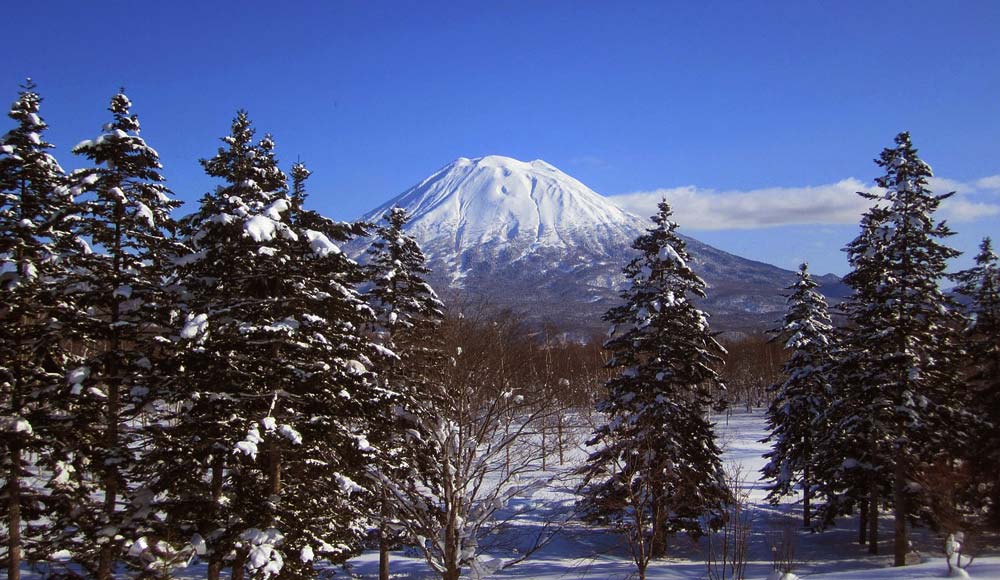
(783, 543)
(752, 365)
(483, 450)
(728, 546)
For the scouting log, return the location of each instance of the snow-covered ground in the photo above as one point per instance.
(585, 552)
(581, 551)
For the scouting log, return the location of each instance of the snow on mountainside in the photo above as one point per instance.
(527, 236)
(501, 206)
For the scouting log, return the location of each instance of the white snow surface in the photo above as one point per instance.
(195, 325)
(501, 202)
(497, 197)
(588, 552)
(593, 553)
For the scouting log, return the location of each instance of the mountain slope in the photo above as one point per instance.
(526, 236)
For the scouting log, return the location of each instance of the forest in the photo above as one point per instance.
(228, 391)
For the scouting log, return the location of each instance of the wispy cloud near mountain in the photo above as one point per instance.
(835, 203)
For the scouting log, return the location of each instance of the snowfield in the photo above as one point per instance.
(585, 552)
(581, 551)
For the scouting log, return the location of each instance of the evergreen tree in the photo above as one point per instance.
(657, 471)
(849, 464)
(35, 235)
(300, 174)
(408, 314)
(900, 406)
(407, 308)
(346, 422)
(796, 412)
(261, 464)
(981, 284)
(122, 311)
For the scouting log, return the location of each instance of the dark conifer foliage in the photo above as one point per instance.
(796, 412)
(408, 317)
(899, 399)
(981, 284)
(658, 470)
(122, 312)
(265, 460)
(849, 469)
(35, 237)
(407, 308)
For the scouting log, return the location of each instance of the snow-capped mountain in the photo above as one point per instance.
(526, 236)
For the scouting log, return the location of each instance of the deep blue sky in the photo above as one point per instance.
(625, 96)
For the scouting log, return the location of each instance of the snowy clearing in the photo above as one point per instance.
(581, 551)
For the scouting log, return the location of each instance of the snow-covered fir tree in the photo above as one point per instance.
(981, 284)
(35, 235)
(408, 314)
(404, 302)
(897, 399)
(796, 412)
(264, 462)
(122, 311)
(657, 469)
(848, 468)
(300, 174)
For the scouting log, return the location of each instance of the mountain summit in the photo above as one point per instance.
(494, 206)
(526, 236)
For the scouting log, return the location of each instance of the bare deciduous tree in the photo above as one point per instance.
(484, 442)
(728, 546)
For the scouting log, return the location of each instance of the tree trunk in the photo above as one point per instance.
(452, 549)
(215, 567)
(107, 555)
(806, 497)
(274, 469)
(901, 543)
(14, 476)
(559, 426)
(383, 556)
(217, 466)
(873, 519)
(383, 542)
(239, 564)
(658, 539)
(14, 514)
(215, 560)
(657, 546)
(863, 523)
(806, 507)
(995, 510)
(545, 451)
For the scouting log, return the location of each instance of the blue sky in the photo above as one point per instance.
(734, 105)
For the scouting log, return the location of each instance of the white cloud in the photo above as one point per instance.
(708, 209)
(941, 185)
(958, 209)
(835, 203)
(991, 183)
